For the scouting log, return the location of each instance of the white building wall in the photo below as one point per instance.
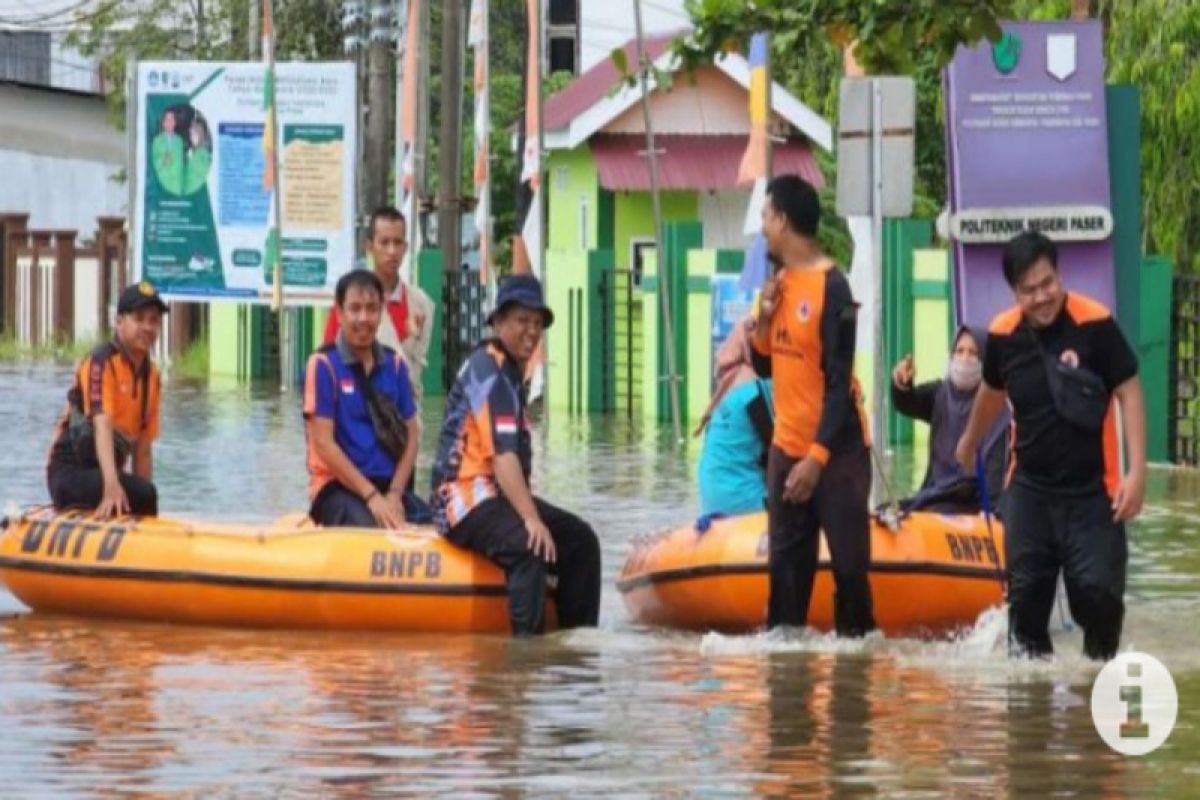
(58, 155)
(723, 213)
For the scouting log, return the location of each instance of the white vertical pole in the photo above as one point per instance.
(879, 378)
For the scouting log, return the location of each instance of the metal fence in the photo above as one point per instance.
(463, 299)
(621, 331)
(1183, 431)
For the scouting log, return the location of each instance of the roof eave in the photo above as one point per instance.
(584, 126)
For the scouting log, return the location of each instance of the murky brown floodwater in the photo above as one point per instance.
(102, 708)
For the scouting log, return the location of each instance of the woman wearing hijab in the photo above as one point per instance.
(737, 428)
(946, 405)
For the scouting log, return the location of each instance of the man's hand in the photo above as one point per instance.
(113, 502)
(540, 541)
(903, 372)
(387, 510)
(802, 480)
(1130, 495)
(964, 453)
(768, 299)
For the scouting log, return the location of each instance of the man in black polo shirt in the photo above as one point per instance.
(1060, 358)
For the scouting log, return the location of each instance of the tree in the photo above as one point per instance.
(198, 30)
(1152, 44)
(913, 37)
(888, 36)
(1149, 43)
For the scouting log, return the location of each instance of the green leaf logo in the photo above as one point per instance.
(1007, 52)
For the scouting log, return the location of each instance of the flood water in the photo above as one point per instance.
(99, 709)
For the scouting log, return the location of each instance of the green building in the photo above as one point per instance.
(602, 271)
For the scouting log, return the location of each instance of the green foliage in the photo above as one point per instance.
(58, 350)
(890, 36)
(893, 36)
(193, 362)
(1149, 43)
(1153, 45)
(215, 30)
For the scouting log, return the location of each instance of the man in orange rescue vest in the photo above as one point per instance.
(112, 417)
(1059, 358)
(819, 468)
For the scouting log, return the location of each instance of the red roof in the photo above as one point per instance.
(691, 162)
(594, 85)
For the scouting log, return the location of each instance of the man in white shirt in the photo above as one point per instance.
(407, 327)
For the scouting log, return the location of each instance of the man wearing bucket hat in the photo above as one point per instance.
(481, 493)
(112, 417)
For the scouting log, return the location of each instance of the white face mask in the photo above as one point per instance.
(965, 373)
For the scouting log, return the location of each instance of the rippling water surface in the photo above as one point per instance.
(102, 708)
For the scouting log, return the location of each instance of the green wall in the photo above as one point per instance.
(431, 278)
(1124, 169)
(1154, 353)
(237, 339)
(634, 217)
(931, 323)
(900, 238)
(573, 179)
(579, 342)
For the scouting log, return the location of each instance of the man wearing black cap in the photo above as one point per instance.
(111, 415)
(481, 492)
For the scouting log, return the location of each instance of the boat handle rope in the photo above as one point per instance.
(985, 502)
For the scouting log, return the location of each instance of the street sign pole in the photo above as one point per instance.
(879, 379)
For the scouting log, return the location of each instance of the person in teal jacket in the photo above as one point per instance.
(737, 431)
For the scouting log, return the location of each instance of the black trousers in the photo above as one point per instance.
(74, 486)
(494, 529)
(1046, 533)
(839, 508)
(335, 506)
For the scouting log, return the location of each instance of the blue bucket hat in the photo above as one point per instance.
(523, 290)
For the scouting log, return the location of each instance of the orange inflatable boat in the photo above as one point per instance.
(931, 575)
(290, 574)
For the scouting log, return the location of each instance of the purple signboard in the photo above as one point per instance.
(1027, 147)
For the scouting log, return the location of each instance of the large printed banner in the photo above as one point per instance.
(202, 212)
(1027, 148)
(731, 303)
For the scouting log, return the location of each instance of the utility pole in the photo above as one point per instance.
(656, 203)
(253, 37)
(450, 136)
(379, 95)
(354, 18)
(420, 149)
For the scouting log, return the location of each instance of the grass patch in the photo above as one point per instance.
(58, 350)
(193, 362)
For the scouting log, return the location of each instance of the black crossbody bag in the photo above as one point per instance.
(1080, 395)
(390, 428)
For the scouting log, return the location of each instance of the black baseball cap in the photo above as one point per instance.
(140, 295)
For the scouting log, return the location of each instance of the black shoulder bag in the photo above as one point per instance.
(1080, 395)
(390, 428)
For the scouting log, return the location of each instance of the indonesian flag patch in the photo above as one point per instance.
(506, 425)
(347, 385)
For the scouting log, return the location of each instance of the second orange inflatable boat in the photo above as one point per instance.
(931, 575)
